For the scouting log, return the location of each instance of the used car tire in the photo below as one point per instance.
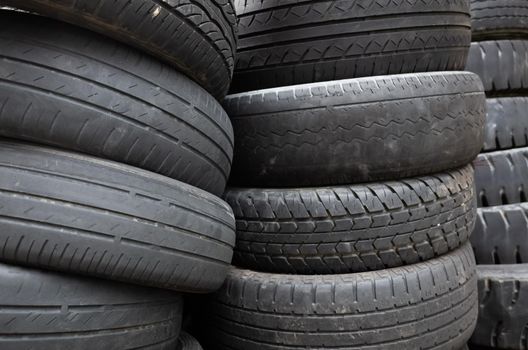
(506, 123)
(187, 342)
(198, 37)
(501, 178)
(301, 41)
(74, 213)
(353, 228)
(503, 306)
(499, 19)
(357, 130)
(67, 87)
(501, 64)
(50, 311)
(431, 304)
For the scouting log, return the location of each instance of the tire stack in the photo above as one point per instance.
(499, 54)
(352, 190)
(112, 161)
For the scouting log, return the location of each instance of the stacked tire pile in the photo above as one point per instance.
(351, 188)
(499, 54)
(112, 160)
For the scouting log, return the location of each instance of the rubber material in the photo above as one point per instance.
(353, 228)
(51, 311)
(499, 19)
(187, 342)
(301, 41)
(506, 123)
(503, 311)
(197, 37)
(74, 213)
(67, 87)
(501, 234)
(501, 177)
(429, 305)
(502, 65)
(358, 130)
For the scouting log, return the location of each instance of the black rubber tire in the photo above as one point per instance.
(354, 228)
(301, 41)
(506, 123)
(50, 311)
(74, 213)
(502, 177)
(493, 19)
(429, 305)
(501, 234)
(68, 87)
(197, 37)
(503, 309)
(188, 342)
(502, 65)
(360, 130)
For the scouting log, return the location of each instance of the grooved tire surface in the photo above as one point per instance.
(356, 130)
(303, 41)
(499, 19)
(430, 305)
(501, 234)
(74, 213)
(503, 309)
(187, 342)
(50, 311)
(501, 177)
(501, 64)
(67, 87)
(506, 123)
(197, 37)
(353, 228)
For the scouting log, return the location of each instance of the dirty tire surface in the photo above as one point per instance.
(73, 213)
(506, 123)
(503, 305)
(187, 342)
(502, 65)
(294, 42)
(50, 311)
(353, 228)
(501, 177)
(499, 19)
(356, 130)
(430, 305)
(501, 234)
(197, 37)
(67, 87)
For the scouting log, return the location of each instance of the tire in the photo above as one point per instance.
(354, 228)
(506, 123)
(502, 65)
(295, 42)
(44, 311)
(495, 19)
(74, 213)
(431, 304)
(501, 177)
(187, 342)
(503, 309)
(70, 88)
(327, 133)
(501, 234)
(197, 37)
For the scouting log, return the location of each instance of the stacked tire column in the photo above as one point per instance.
(113, 156)
(354, 198)
(499, 54)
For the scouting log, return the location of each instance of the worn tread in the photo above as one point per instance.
(67, 87)
(357, 130)
(430, 305)
(354, 228)
(506, 123)
(74, 213)
(198, 37)
(493, 19)
(187, 342)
